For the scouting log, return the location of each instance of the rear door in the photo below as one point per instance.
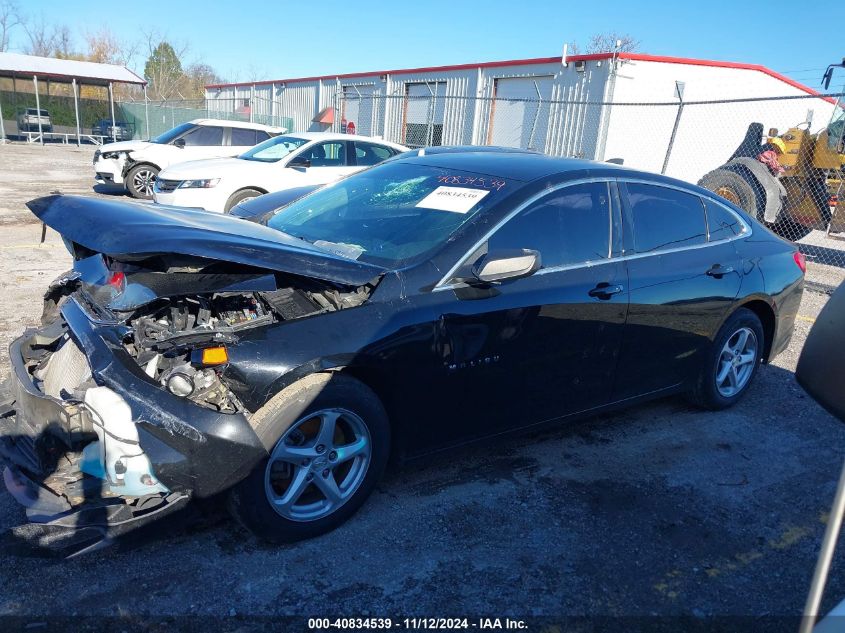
(682, 284)
(544, 346)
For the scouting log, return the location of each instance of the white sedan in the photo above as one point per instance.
(282, 162)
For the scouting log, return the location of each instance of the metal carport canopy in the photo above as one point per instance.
(13, 65)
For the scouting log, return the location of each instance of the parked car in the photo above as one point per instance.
(119, 131)
(283, 162)
(29, 118)
(410, 307)
(135, 164)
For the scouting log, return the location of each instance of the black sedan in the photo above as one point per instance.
(411, 307)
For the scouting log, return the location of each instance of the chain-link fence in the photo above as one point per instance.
(151, 118)
(779, 158)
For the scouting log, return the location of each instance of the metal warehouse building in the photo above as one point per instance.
(680, 116)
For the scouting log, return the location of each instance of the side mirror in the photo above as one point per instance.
(180, 143)
(299, 161)
(506, 265)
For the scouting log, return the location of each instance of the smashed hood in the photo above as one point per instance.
(120, 228)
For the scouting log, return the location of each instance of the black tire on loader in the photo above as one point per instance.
(734, 188)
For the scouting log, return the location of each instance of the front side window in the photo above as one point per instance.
(166, 137)
(330, 154)
(568, 226)
(371, 154)
(665, 218)
(204, 136)
(721, 223)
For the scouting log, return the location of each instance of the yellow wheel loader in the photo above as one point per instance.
(808, 195)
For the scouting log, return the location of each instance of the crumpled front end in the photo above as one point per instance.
(90, 446)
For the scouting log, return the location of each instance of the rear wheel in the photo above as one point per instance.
(328, 437)
(140, 180)
(731, 362)
(241, 196)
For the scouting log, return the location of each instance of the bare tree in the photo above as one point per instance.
(46, 40)
(611, 42)
(10, 18)
(197, 77)
(104, 47)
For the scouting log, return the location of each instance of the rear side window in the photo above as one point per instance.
(370, 154)
(204, 135)
(665, 218)
(721, 223)
(245, 138)
(568, 226)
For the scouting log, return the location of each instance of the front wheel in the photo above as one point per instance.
(731, 362)
(329, 438)
(240, 196)
(140, 180)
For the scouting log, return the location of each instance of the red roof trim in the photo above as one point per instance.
(543, 60)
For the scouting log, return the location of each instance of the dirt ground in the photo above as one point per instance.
(658, 510)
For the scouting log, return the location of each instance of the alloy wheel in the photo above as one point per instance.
(736, 362)
(143, 181)
(317, 465)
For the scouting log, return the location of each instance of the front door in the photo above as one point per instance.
(544, 346)
(329, 161)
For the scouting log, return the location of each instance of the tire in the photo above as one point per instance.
(139, 181)
(732, 187)
(241, 196)
(711, 393)
(285, 425)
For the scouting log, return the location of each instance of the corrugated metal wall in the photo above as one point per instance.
(467, 103)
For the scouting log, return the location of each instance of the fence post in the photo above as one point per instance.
(679, 92)
(38, 108)
(147, 112)
(76, 111)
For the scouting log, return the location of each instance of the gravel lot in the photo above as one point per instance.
(657, 510)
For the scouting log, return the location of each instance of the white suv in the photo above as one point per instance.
(135, 164)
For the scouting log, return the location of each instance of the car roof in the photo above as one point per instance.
(332, 136)
(239, 124)
(524, 166)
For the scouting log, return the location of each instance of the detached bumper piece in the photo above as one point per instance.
(71, 450)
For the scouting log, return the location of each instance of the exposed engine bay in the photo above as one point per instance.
(180, 342)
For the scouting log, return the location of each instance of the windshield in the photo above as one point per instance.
(391, 214)
(164, 139)
(274, 149)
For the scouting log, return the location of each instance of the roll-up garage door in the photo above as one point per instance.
(425, 110)
(358, 108)
(520, 112)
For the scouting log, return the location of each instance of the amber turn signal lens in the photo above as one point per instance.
(214, 356)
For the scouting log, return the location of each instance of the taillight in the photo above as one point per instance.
(117, 280)
(800, 261)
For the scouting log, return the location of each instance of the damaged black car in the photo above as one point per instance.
(414, 306)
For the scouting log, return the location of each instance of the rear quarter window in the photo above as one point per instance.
(721, 223)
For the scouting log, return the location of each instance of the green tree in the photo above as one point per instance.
(163, 71)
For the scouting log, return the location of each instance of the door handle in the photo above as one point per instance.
(604, 291)
(717, 270)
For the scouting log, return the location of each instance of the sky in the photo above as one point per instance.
(286, 39)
